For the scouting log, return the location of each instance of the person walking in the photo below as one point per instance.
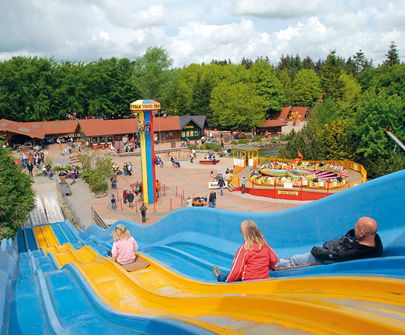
(212, 199)
(130, 198)
(143, 210)
(113, 202)
(221, 184)
(244, 181)
(129, 168)
(158, 188)
(125, 195)
(30, 167)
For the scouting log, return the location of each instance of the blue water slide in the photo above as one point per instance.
(101, 242)
(8, 262)
(27, 315)
(191, 239)
(31, 243)
(21, 241)
(60, 234)
(48, 300)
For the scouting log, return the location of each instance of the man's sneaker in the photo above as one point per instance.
(216, 271)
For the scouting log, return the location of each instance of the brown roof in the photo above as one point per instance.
(20, 128)
(59, 127)
(100, 127)
(272, 123)
(90, 127)
(284, 114)
(302, 111)
(167, 123)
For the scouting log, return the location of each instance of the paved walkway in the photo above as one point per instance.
(190, 180)
(81, 200)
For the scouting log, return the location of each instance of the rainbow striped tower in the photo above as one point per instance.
(145, 109)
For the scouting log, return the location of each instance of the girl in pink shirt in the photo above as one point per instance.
(124, 246)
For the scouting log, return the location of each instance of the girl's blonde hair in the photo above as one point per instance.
(252, 235)
(120, 232)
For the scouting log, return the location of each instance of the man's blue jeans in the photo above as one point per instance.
(297, 260)
(222, 276)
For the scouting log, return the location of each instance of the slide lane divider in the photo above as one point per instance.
(152, 323)
(385, 290)
(257, 308)
(51, 315)
(173, 251)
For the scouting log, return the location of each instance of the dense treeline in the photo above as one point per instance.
(16, 195)
(351, 101)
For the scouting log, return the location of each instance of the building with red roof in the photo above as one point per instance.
(274, 126)
(166, 129)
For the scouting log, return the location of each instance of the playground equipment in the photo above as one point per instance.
(306, 174)
(144, 109)
(296, 118)
(67, 286)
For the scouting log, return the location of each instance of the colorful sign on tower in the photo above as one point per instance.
(144, 110)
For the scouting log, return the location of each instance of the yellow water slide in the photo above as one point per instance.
(330, 305)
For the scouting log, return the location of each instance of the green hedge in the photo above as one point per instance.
(97, 179)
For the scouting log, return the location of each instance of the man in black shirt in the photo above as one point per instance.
(360, 242)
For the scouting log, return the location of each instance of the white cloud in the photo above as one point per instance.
(281, 9)
(201, 30)
(104, 35)
(153, 16)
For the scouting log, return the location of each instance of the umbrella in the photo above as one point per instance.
(141, 105)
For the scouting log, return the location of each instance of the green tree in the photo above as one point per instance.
(324, 112)
(337, 140)
(331, 84)
(268, 85)
(308, 141)
(182, 98)
(201, 98)
(16, 195)
(351, 92)
(306, 88)
(360, 61)
(375, 113)
(392, 55)
(286, 83)
(151, 71)
(237, 106)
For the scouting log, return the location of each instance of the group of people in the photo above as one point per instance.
(127, 169)
(210, 156)
(33, 159)
(71, 173)
(255, 258)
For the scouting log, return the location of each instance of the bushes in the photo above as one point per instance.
(16, 195)
(96, 177)
(210, 146)
(86, 161)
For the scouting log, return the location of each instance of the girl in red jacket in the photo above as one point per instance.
(253, 259)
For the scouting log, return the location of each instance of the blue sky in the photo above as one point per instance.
(198, 31)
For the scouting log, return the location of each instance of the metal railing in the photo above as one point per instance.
(72, 211)
(97, 219)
